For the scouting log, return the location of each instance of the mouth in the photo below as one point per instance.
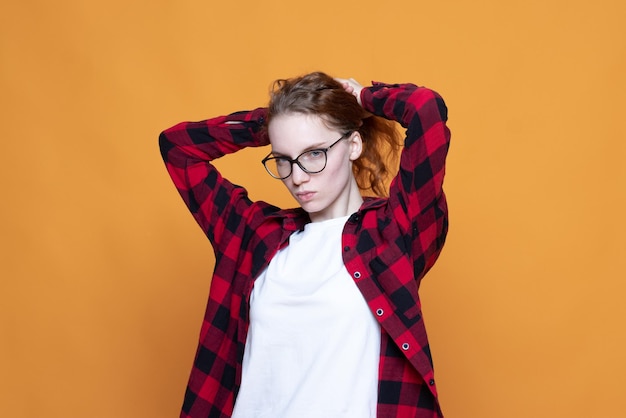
(304, 196)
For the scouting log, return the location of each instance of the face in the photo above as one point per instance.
(331, 193)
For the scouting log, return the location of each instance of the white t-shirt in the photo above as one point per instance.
(313, 344)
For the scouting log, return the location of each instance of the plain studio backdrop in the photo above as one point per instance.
(104, 275)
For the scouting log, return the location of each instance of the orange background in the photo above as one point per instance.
(104, 275)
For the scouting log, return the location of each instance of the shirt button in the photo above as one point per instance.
(346, 248)
(431, 382)
(357, 275)
(405, 346)
(379, 312)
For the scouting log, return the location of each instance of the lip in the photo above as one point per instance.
(305, 196)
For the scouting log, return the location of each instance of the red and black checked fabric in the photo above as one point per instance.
(389, 245)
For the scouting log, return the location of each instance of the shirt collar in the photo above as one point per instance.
(295, 219)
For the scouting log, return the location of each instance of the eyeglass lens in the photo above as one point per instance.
(311, 161)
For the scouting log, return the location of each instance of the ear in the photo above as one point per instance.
(356, 145)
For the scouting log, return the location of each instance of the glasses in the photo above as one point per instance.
(312, 162)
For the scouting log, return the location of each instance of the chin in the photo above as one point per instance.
(309, 207)
(312, 209)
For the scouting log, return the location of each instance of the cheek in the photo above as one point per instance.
(340, 170)
(335, 179)
(286, 182)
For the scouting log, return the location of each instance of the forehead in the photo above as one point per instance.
(292, 133)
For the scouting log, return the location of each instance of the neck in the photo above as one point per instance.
(349, 204)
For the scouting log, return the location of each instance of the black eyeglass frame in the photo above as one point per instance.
(296, 160)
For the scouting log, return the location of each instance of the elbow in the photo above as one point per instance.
(165, 145)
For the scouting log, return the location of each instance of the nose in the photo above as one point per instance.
(298, 175)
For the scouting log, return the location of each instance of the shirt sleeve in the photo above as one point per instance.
(416, 196)
(188, 149)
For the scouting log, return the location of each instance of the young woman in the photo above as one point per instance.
(314, 311)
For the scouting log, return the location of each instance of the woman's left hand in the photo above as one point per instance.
(351, 86)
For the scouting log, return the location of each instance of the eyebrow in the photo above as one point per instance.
(310, 148)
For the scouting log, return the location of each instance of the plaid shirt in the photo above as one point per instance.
(388, 246)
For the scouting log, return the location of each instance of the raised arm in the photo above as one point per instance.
(188, 148)
(416, 194)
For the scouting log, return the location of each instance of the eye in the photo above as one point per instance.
(281, 161)
(315, 154)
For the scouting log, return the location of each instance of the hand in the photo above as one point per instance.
(351, 86)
